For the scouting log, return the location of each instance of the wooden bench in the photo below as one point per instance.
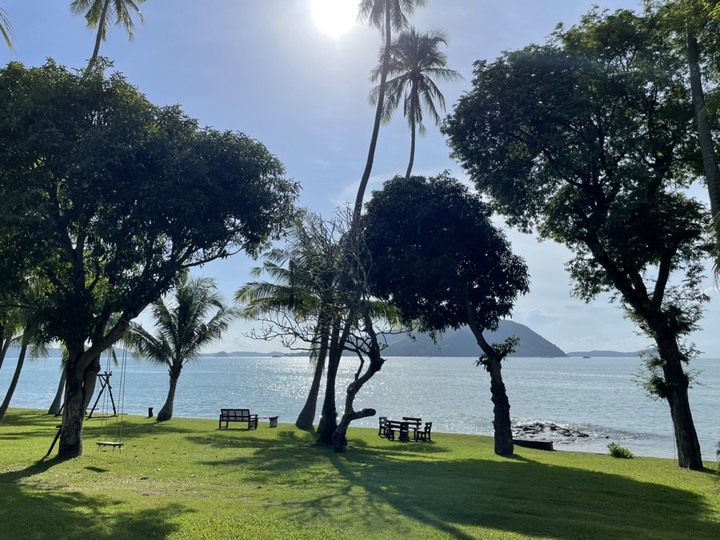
(238, 415)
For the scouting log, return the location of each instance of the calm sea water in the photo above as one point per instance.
(597, 396)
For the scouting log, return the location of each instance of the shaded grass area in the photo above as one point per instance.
(187, 479)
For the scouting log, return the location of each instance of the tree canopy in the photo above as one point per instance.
(416, 63)
(435, 252)
(114, 196)
(588, 139)
(436, 256)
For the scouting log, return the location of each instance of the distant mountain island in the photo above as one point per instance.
(462, 343)
(604, 354)
(451, 343)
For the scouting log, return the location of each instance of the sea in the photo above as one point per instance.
(599, 400)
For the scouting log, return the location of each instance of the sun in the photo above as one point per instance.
(334, 17)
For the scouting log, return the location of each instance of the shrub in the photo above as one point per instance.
(619, 452)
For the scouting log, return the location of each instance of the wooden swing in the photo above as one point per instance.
(116, 441)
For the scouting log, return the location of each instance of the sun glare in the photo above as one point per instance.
(334, 17)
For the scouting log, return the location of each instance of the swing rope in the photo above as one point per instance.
(117, 442)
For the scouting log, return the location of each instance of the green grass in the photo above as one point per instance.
(187, 479)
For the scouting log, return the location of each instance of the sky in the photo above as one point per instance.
(272, 70)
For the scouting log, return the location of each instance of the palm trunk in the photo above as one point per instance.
(307, 415)
(79, 388)
(705, 138)
(5, 346)
(167, 410)
(376, 126)
(56, 405)
(328, 418)
(98, 38)
(13, 383)
(412, 149)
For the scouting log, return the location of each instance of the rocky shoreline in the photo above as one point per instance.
(538, 430)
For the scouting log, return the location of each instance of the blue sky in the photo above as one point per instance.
(263, 67)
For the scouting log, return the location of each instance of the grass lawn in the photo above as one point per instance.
(187, 479)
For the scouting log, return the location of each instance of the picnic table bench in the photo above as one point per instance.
(238, 415)
(388, 428)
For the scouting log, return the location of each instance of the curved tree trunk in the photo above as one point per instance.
(167, 410)
(675, 391)
(79, 388)
(307, 415)
(501, 404)
(13, 383)
(339, 438)
(501, 410)
(56, 405)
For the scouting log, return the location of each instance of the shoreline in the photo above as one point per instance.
(595, 447)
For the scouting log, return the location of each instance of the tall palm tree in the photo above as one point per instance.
(100, 13)
(182, 330)
(416, 62)
(386, 15)
(6, 29)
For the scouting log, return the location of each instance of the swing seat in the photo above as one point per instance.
(113, 444)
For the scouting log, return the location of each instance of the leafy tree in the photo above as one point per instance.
(100, 14)
(183, 330)
(121, 196)
(437, 257)
(415, 64)
(6, 29)
(587, 138)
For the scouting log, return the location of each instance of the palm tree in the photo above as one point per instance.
(302, 286)
(6, 29)
(182, 330)
(415, 64)
(98, 14)
(385, 15)
(24, 321)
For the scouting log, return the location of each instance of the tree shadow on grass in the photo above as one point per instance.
(458, 497)
(530, 498)
(32, 509)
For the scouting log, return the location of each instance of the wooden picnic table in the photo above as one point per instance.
(402, 427)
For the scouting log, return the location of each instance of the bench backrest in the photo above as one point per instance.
(235, 414)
